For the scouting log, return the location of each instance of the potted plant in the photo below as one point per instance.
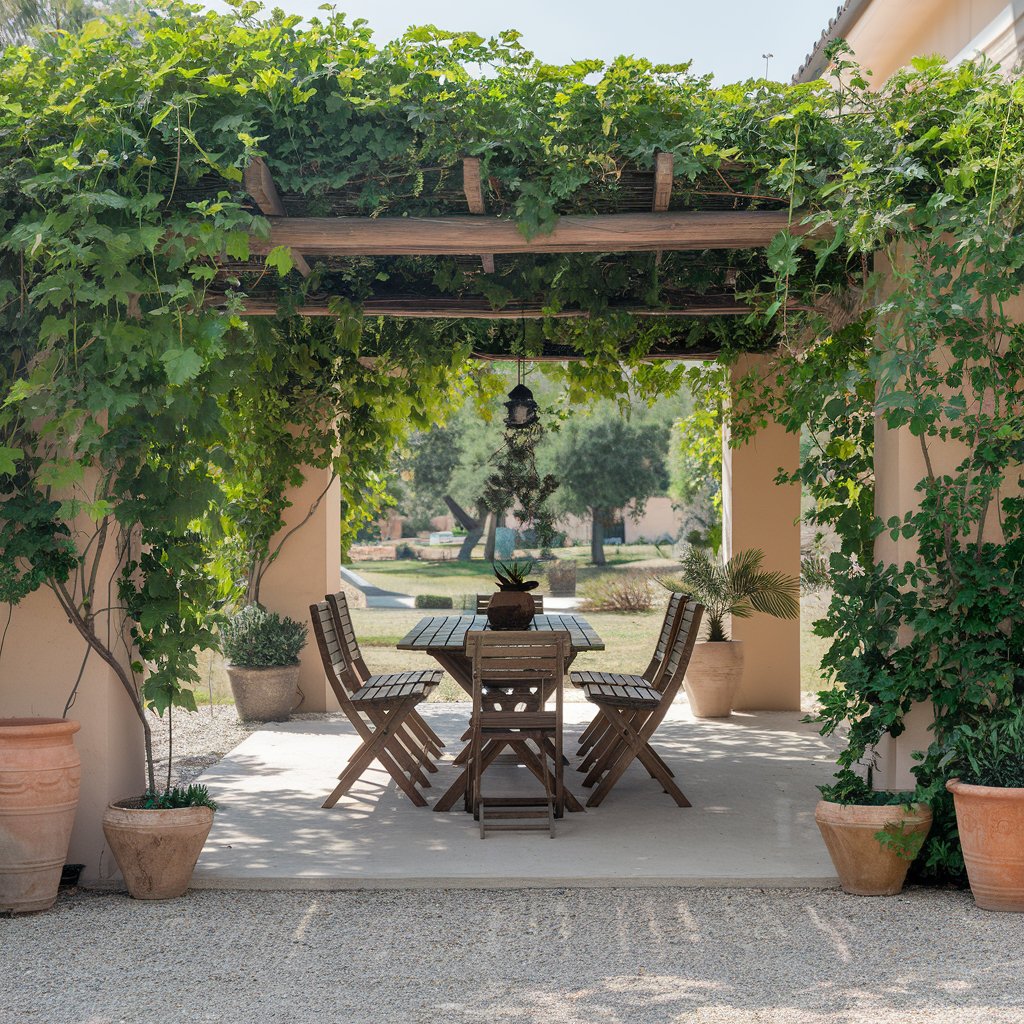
(262, 650)
(988, 796)
(872, 836)
(512, 606)
(39, 777)
(737, 588)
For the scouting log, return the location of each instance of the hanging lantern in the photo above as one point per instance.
(522, 409)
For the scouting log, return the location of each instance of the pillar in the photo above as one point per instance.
(41, 658)
(759, 513)
(307, 568)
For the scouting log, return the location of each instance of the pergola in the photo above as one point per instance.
(659, 215)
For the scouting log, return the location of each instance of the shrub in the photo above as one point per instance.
(405, 552)
(433, 601)
(256, 638)
(618, 592)
(561, 576)
(992, 753)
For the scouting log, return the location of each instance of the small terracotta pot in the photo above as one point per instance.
(866, 867)
(990, 820)
(713, 677)
(265, 694)
(156, 850)
(39, 776)
(510, 609)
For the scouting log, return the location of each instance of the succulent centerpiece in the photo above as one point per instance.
(512, 607)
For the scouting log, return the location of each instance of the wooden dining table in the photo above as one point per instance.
(443, 637)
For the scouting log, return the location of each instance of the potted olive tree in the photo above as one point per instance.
(262, 650)
(872, 835)
(988, 795)
(735, 588)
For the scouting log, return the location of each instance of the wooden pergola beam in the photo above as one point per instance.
(467, 236)
(474, 189)
(259, 183)
(664, 169)
(481, 309)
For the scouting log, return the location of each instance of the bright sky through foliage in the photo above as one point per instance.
(727, 37)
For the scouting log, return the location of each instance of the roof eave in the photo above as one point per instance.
(847, 15)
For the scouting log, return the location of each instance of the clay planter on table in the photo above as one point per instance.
(156, 850)
(39, 775)
(265, 694)
(866, 867)
(713, 677)
(510, 609)
(990, 820)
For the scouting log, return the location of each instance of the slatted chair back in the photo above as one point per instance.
(679, 655)
(347, 634)
(482, 600)
(508, 658)
(669, 627)
(334, 653)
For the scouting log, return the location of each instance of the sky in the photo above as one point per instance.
(725, 37)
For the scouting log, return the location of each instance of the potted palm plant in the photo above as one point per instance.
(735, 588)
(262, 650)
(988, 795)
(872, 836)
(512, 606)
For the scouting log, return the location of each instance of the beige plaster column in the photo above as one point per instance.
(41, 658)
(307, 568)
(759, 513)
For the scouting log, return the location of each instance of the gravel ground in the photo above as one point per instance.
(560, 957)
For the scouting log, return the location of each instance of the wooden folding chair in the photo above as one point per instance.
(425, 736)
(653, 675)
(482, 600)
(513, 672)
(378, 708)
(634, 712)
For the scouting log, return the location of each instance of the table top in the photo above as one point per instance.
(448, 632)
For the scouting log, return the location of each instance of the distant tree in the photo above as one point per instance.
(603, 462)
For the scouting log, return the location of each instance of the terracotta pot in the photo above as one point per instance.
(39, 775)
(510, 609)
(990, 820)
(866, 867)
(156, 850)
(265, 694)
(713, 677)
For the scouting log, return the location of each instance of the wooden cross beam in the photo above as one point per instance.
(474, 190)
(467, 236)
(481, 309)
(260, 185)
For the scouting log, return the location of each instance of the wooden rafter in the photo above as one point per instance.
(664, 164)
(481, 309)
(260, 185)
(473, 187)
(466, 236)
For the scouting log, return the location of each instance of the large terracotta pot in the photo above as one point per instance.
(264, 694)
(990, 820)
(156, 850)
(39, 776)
(713, 677)
(510, 609)
(866, 867)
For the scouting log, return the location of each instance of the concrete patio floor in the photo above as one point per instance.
(751, 779)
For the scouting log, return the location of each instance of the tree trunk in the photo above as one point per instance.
(490, 533)
(597, 537)
(469, 524)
